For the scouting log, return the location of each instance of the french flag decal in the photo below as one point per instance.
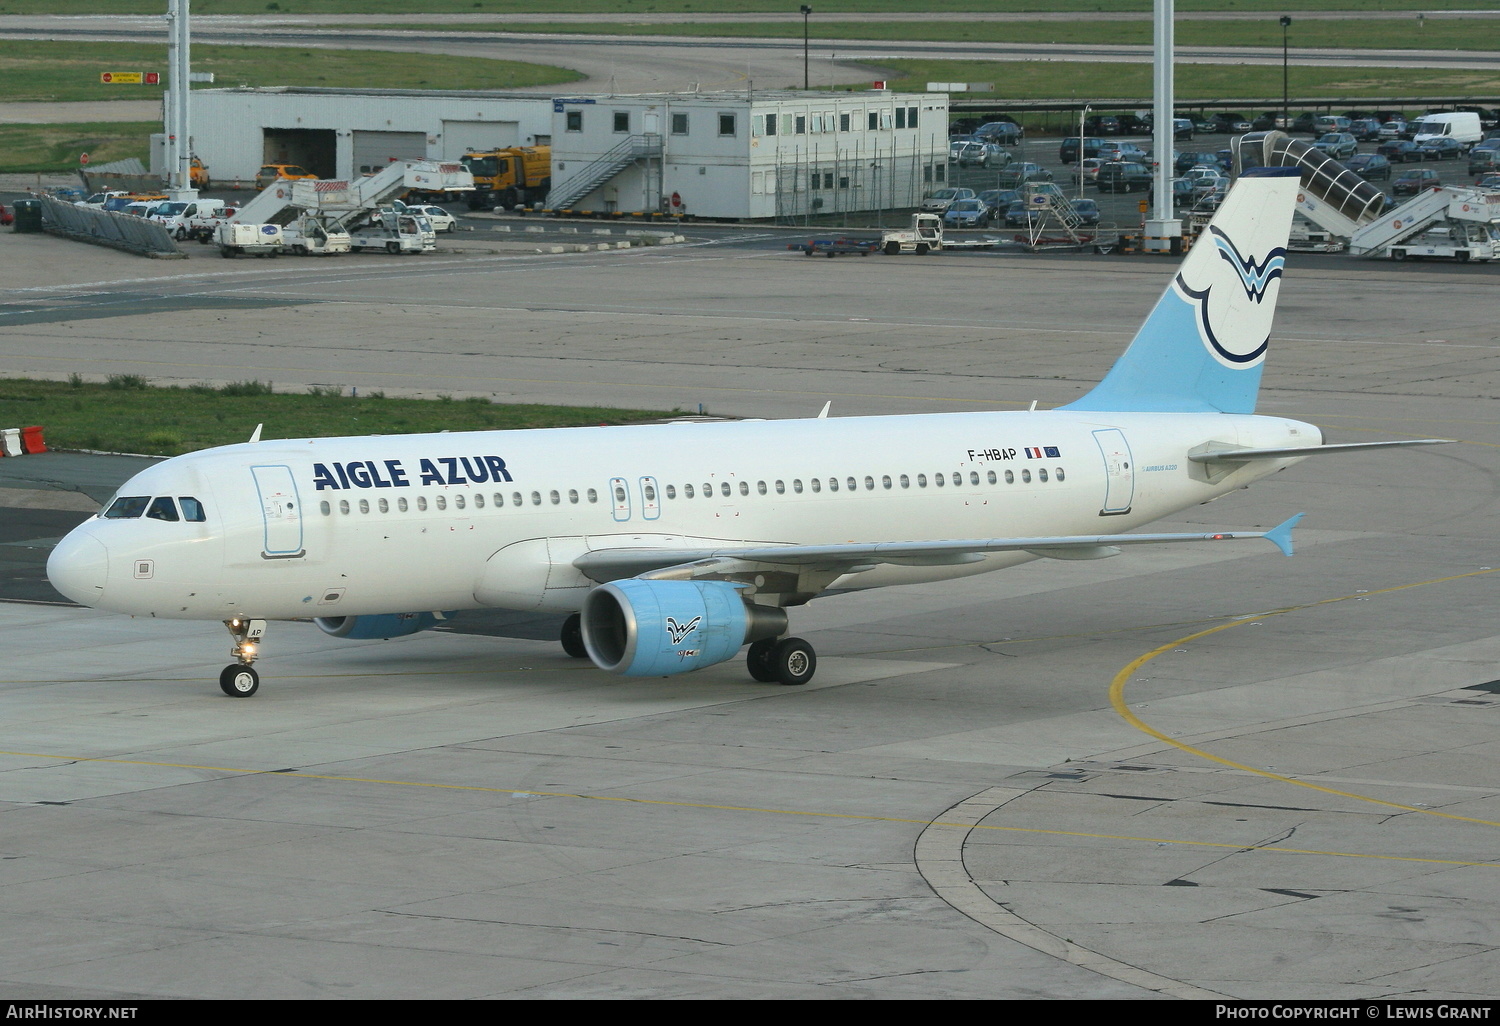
(1048, 452)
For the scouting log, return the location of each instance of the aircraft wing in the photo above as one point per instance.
(850, 557)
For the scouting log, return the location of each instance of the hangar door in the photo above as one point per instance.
(374, 150)
(459, 136)
(313, 148)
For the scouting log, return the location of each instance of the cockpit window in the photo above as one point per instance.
(127, 507)
(162, 508)
(192, 509)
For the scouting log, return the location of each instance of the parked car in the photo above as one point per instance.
(1204, 123)
(1483, 161)
(442, 221)
(1399, 151)
(1365, 129)
(942, 199)
(1490, 181)
(981, 154)
(1441, 148)
(966, 213)
(1395, 128)
(1211, 201)
(1203, 179)
(1123, 176)
(1305, 122)
(1087, 211)
(1228, 122)
(998, 199)
(1369, 165)
(956, 144)
(1102, 124)
(1325, 123)
(272, 172)
(1006, 133)
(1122, 151)
(1022, 215)
(1068, 149)
(1415, 180)
(1183, 194)
(1338, 145)
(1087, 169)
(1201, 158)
(1017, 175)
(1269, 120)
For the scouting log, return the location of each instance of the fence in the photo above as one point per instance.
(106, 228)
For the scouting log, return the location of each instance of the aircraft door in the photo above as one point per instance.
(619, 495)
(1119, 489)
(650, 498)
(281, 512)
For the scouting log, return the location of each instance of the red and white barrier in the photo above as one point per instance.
(21, 441)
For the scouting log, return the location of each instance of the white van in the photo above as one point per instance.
(1462, 125)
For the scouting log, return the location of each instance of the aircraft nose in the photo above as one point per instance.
(78, 566)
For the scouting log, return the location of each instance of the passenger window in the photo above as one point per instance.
(344, 507)
(648, 490)
(886, 481)
(458, 502)
(1059, 472)
(992, 478)
(573, 495)
(921, 480)
(441, 501)
(515, 498)
(162, 509)
(671, 492)
(421, 504)
(833, 484)
(555, 497)
(479, 500)
(536, 498)
(744, 487)
(797, 485)
(385, 507)
(973, 477)
(905, 481)
(780, 487)
(192, 509)
(1010, 477)
(593, 495)
(817, 486)
(869, 483)
(127, 507)
(1041, 474)
(724, 489)
(1026, 477)
(852, 484)
(499, 500)
(939, 480)
(619, 494)
(958, 479)
(687, 491)
(760, 486)
(364, 505)
(326, 509)
(401, 504)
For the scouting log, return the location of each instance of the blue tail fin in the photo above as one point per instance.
(1202, 348)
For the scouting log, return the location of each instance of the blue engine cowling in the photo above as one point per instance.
(370, 628)
(657, 628)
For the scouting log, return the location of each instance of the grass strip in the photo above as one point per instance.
(1344, 34)
(49, 72)
(127, 414)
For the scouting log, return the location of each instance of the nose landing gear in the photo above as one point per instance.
(239, 679)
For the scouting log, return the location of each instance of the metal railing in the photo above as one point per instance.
(107, 228)
(597, 172)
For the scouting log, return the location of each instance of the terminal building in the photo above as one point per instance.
(746, 154)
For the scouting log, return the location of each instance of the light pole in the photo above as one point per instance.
(1286, 113)
(806, 80)
(1083, 116)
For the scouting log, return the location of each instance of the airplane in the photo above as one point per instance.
(674, 546)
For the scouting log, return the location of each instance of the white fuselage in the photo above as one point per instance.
(382, 524)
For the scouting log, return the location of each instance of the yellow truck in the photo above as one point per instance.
(510, 177)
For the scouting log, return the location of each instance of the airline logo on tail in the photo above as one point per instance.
(1235, 299)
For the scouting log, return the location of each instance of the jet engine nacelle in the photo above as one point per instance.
(658, 628)
(370, 628)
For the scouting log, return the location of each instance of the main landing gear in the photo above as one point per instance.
(572, 636)
(781, 661)
(239, 679)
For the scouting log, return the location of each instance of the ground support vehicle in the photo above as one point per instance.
(395, 232)
(506, 178)
(1460, 241)
(254, 239)
(312, 235)
(837, 247)
(924, 236)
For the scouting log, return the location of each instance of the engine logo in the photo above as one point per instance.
(678, 631)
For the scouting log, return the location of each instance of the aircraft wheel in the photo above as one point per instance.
(572, 637)
(239, 681)
(794, 661)
(760, 660)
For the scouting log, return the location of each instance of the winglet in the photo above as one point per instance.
(255, 435)
(1281, 534)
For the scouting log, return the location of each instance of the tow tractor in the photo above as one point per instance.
(926, 236)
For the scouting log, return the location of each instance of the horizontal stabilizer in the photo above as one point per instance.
(1242, 455)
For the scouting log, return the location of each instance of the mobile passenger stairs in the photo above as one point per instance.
(1450, 221)
(363, 206)
(1053, 222)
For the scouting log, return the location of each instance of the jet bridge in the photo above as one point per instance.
(350, 204)
(1340, 201)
